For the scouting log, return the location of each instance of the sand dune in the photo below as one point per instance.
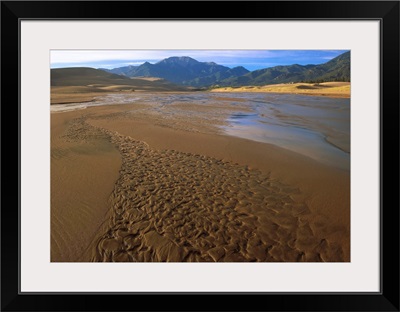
(85, 83)
(331, 89)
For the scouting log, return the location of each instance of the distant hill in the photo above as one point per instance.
(97, 80)
(82, 76)
(337, 69)
(182, 70)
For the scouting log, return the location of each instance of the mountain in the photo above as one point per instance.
(337, 69)
(182, 70)
(124, 71)
(85, 79)
(187, 71)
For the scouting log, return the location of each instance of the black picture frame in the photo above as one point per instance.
(385, 11)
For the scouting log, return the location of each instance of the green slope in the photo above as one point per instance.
(337, 69)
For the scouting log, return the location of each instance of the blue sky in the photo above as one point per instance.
(250, 59)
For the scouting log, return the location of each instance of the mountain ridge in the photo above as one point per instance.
(337, 69)
(182, 70)
(187, 71)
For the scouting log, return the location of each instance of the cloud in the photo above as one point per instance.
(88, 56)
(326, 57)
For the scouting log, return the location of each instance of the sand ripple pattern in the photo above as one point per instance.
(173, 206)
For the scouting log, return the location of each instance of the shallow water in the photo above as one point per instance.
(317, 127)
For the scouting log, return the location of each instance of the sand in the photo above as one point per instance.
(132, 185)
(83, 174)
(330, 89)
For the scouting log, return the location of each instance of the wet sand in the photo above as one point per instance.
(131, 183)
(83, 174)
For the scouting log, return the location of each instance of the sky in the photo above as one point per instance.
(250, 59)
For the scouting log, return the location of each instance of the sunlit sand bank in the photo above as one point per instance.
(330, 89)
